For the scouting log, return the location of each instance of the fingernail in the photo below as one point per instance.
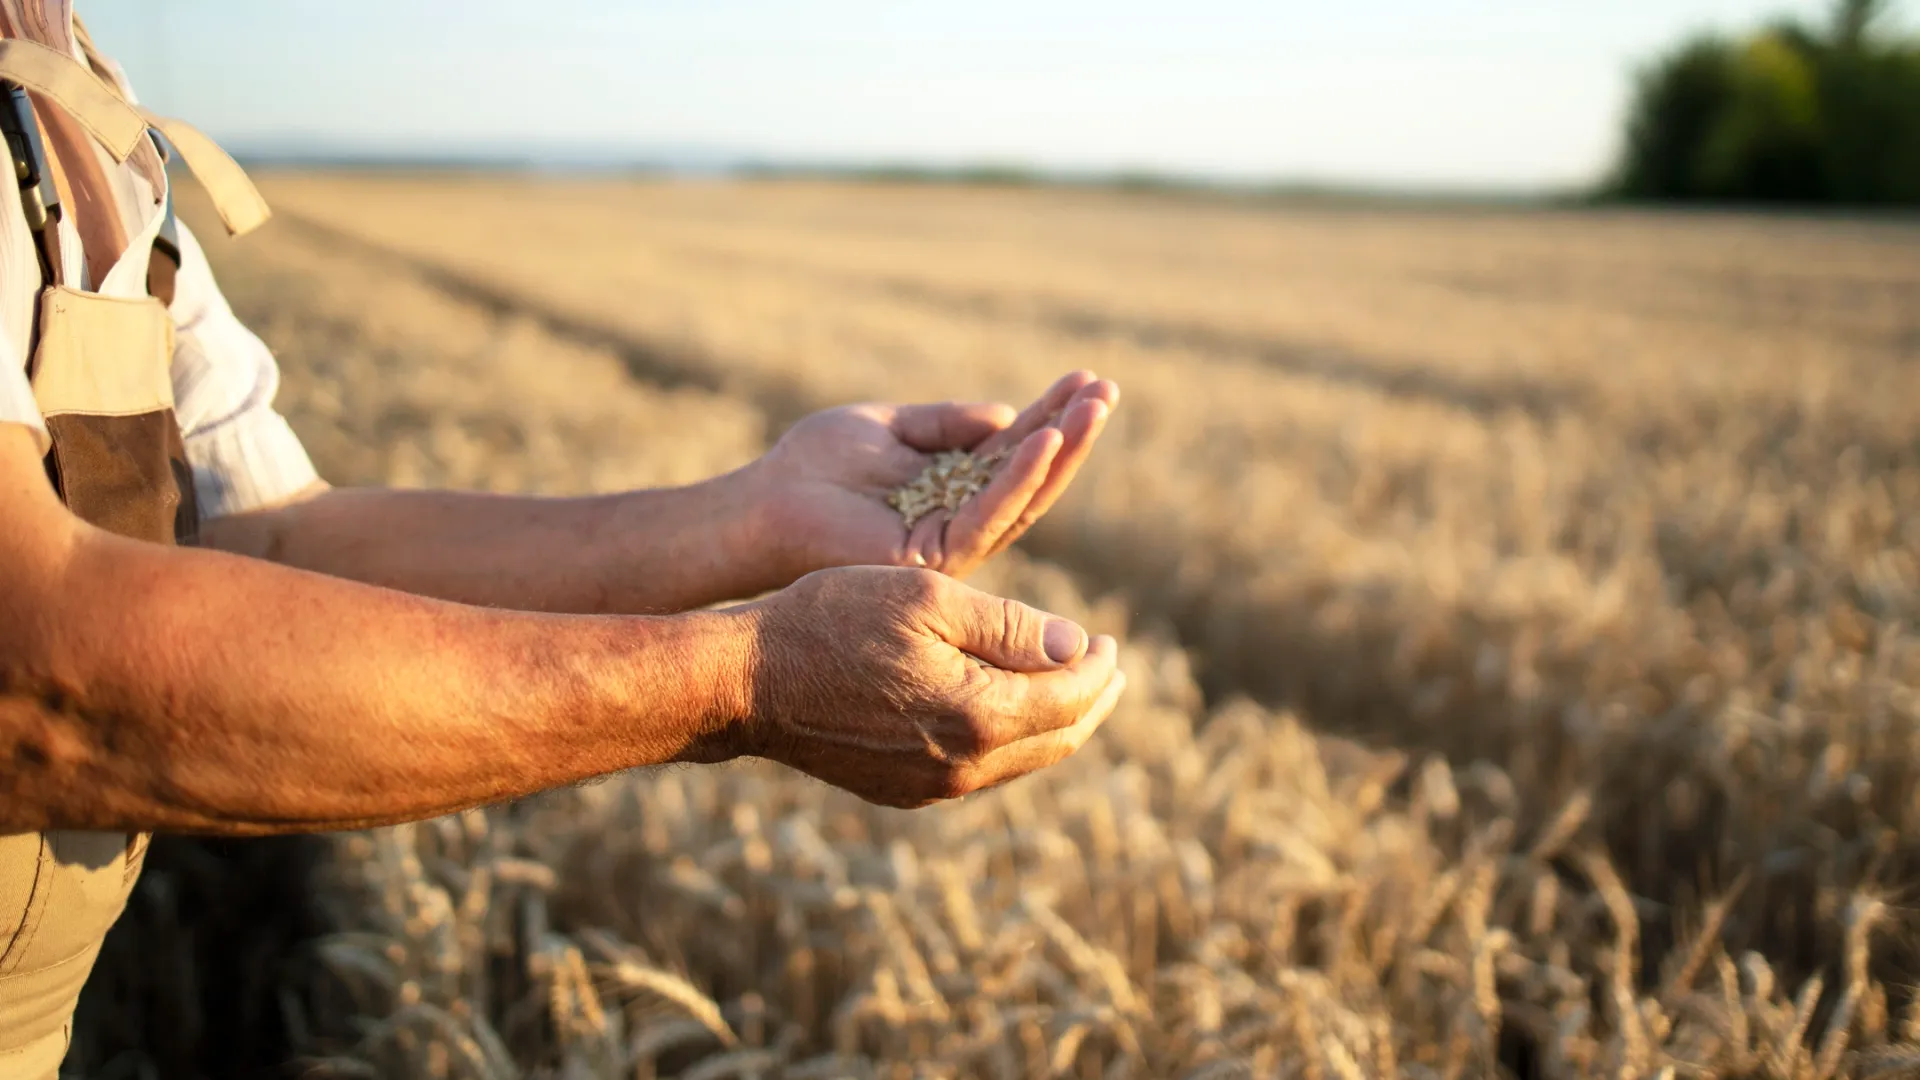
(1062, 640)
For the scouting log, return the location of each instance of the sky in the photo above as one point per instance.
(1437, 94)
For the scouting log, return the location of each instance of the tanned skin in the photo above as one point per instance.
(375, 657)
(814, 501)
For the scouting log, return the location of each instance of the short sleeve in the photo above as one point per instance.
(244, 456)
(16, 396)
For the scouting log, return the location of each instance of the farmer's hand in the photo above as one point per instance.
(825, 483)
(866, 678)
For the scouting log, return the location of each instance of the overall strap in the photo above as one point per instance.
(240, 205)
(79, 107)
(39, 194)
(65, 82)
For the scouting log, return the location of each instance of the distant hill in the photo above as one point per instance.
(704, 161)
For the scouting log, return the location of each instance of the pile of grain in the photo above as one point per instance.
(953, 477)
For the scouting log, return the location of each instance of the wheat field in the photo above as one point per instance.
(1519, 610)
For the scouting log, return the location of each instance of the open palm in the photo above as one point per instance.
(829, 476)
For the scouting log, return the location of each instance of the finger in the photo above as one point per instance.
(1105, 391)
(1005, 633)
(1079, 428)
(950, 425)
(1047, 748)
(1039, 414)
(978, 524)
(927, 538)
(1025, 705)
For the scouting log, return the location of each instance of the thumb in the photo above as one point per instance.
(1010, 635)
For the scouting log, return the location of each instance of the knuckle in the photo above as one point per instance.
(1019, 625)
(922, 587)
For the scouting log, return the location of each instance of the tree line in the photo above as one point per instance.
(1790, 114)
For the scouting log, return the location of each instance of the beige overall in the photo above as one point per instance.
(101, 374)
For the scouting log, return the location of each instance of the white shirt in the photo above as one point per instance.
(224, 378)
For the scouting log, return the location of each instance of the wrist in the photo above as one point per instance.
(763, 533)
(678, 549)
(717, 658)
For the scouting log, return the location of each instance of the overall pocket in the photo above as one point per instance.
(102, 378)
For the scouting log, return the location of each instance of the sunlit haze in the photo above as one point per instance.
(1424, 93)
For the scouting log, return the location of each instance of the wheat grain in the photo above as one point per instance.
(947, 483)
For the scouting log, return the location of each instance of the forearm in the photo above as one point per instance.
(665, 550)
(143, 688)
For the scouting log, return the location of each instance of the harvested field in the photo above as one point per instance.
(1519, 611)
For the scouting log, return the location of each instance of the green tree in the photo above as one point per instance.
(1765, 142)
(1870, 97)
(1785, 114)
(1679, 103)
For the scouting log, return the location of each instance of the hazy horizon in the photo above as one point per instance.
(1493, 95)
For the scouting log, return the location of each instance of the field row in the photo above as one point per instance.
(1650, 487)
(1653, 627)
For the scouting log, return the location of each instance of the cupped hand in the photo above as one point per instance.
(906, 687)
(826, 481)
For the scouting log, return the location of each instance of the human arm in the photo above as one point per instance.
(144, 687)
(816, 500)
(642, 552)
(653, 551)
